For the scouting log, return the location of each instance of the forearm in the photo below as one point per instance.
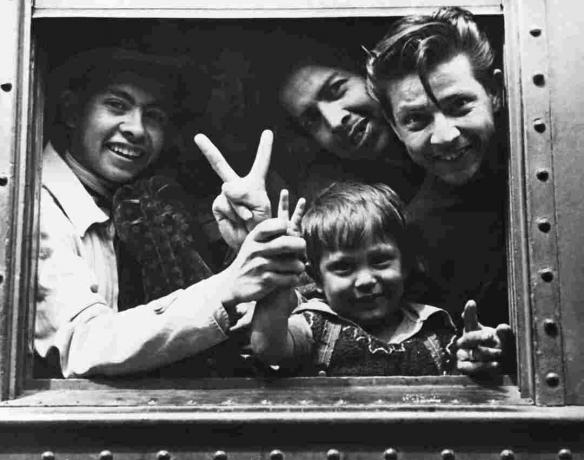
(271, 340)
(100, 341)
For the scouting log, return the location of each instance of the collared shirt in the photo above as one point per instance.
(76, 308)
(420, 345)
(413, 319)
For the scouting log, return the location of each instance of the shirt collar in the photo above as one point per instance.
(415, 315)
(69, 192)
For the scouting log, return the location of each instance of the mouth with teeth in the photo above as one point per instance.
(452, 155)
(360, 132)
(130, 152)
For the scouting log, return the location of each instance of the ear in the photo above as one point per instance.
(69, 107)
(497, 90)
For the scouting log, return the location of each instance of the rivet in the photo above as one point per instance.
(552, 379)
(539, 125)
(1, 279)
(565, 454)
(3, 181)
(220, 455)
(543, 175)
(6, 87)
(507, 454)
(276, 455)
(535, 31)
(106, 455)
(48, 455)
(390, 454)
(550, 327)
(447, 454)
(547, 275)
(544, 225)
(163, 455)
(322, 373)
(333, 454)
(538, 79)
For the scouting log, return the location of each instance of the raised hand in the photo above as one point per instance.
(481, 348)
(284, 213)
(243, 202)
(269, 259)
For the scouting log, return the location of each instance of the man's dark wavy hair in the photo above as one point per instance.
(417, 44)
(345, 214)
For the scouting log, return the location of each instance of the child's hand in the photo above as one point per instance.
(481, 348)
(243, 202)
(284, 213)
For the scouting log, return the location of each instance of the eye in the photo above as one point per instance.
(341, 268)
(116, 104)
(381, 260)
(414, 121)
(336, 89)
(460, 106)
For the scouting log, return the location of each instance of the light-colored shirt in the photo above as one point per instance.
(76, 308)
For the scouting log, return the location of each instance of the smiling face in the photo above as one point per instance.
(119, 130)
(364, 284)
(333, 106)
(449, 139)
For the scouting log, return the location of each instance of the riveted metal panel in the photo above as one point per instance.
(541, 214)
(566, 45)
(14, 110)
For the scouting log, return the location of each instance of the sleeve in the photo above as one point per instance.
(90, 336)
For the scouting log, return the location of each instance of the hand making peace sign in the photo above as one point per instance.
(243, 202)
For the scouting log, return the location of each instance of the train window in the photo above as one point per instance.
(292, 71)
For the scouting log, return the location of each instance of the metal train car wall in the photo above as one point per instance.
(540, 414)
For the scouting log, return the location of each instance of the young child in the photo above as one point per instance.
(359, 255)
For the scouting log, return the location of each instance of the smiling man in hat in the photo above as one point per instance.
(113, 122)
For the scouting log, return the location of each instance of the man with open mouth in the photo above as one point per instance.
(112, 124)
(434, 77)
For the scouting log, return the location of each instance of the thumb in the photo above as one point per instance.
(504, 334)
(470, 317)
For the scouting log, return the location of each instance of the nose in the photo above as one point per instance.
(365, 281)
(132, 125)
(445, 131)
(335, 116)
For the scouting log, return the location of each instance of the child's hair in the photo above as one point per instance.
(345, 214)
(417, 44)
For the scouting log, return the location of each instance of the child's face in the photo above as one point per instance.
(120, 129)
(364, 284)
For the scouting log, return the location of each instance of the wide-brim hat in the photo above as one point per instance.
(98, 65)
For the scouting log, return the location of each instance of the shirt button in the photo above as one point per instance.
(322, 373)
(94, 288)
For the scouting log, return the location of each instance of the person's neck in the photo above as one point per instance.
(385, 329)
(96, 185)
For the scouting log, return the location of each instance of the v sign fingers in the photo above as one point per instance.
(261, 164)
(215, 158)
(294, 226)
